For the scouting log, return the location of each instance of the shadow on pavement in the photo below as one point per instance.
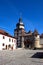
(38, 55)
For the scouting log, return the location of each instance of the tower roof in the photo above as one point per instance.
(29, 31)
(20, 24)
(20, 21)
(35, 32)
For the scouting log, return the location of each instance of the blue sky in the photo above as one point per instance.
(32, 14)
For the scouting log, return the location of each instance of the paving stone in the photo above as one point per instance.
(20, 57)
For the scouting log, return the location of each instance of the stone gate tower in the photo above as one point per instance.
(36, 39)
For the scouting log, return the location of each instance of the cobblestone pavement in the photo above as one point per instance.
(20, 57)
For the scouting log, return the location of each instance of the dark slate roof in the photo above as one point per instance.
(41, 36)
(35, 32)
(29, 31)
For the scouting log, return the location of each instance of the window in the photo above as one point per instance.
(9, 39)
(9, 45)
(3, 44)
(6, 46)
(3, 37)
(12, 40)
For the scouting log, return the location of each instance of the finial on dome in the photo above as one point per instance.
(20, 19)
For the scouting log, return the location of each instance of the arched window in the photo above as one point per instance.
(9, 39)
(12, 40)
(9, 45)
(3, 44)
(3, 37)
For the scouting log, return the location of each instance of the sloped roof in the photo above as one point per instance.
(5, 33)
(41, 36)
(29, 31)
(35, 32)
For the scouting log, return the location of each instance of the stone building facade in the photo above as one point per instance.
(30, 40)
